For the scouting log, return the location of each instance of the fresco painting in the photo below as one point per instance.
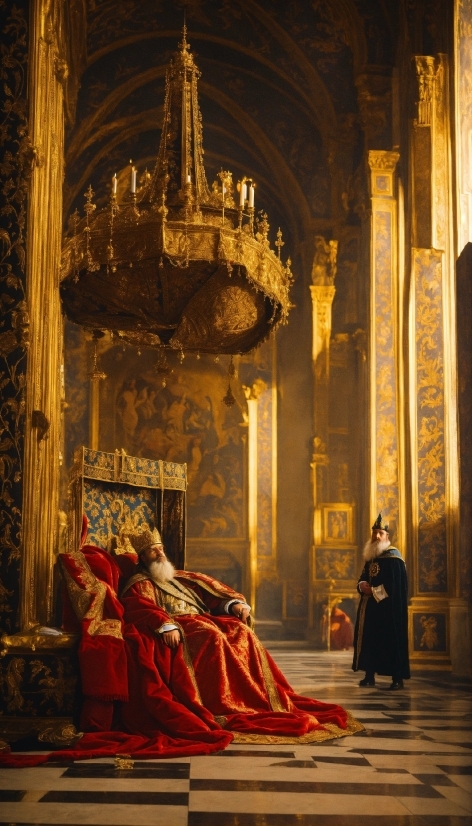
(181, 418)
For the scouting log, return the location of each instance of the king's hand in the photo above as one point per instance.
(171, 638)
(240, 611)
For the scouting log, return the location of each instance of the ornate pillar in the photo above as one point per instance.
(322, 294)
(264, 583)
(386, 488)
(332, 562)
(438, 616)
(48, 72)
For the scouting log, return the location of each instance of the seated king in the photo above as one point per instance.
(192, 634)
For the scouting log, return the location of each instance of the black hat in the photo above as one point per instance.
(377, 526)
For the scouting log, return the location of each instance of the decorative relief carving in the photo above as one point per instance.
(432, 541)
(37, 686)
(429, 632)
(15, 169)
(61, 69)
(322, 298)
(426, 74)
(379, 159)
(324, 262)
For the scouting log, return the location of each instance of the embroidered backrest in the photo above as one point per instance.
(118, 493)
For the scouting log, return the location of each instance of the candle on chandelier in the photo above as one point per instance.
(189, 179)
(115, 184)
(133, 180)
(242, 193)
(251, 196)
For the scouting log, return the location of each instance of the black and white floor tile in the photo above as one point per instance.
(411, 767)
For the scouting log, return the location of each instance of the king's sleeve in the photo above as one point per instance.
(142, 609)
(216, 604)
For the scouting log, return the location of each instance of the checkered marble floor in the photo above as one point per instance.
(411, 767)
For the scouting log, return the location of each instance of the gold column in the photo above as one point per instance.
(322, 294)
(386, 434)
(252, 403)
(322, 302)
(48, 72)
(438, 615)
(95, 377)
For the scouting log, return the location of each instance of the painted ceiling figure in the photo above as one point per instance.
(381, 633)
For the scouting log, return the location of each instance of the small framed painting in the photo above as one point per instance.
(337, 524)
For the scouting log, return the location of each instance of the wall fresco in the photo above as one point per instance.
(335, 564)
(432, 540)
(15, 169)
(429, 632)
(175, 412)
(385, 376)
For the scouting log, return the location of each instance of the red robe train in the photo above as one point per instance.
(220, 666)
(145, 699)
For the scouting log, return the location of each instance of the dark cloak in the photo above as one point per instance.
(381, 632)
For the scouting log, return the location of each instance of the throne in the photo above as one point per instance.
(116, 493)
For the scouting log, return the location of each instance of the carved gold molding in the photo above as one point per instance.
(42, 451)
(59, 732)
(322, 299)
(425, 75)
(33, 640)
(383, 160)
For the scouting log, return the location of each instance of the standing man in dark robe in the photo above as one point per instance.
(381, 633)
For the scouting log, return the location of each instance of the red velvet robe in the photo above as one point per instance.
(220, 667)
(147, 700)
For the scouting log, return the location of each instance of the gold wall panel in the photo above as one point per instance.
(430, 515)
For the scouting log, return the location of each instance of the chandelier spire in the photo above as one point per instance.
(179, 171)
(173, 263)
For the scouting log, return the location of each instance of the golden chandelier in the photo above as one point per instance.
(175, 263)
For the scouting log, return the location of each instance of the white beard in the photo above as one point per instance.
(163, 571)
(374, 549)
